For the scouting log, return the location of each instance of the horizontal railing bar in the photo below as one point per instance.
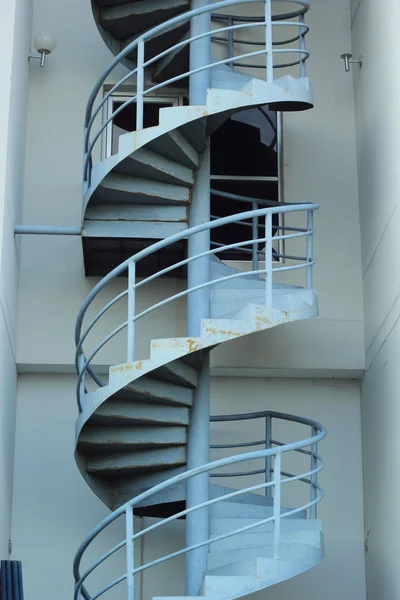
(220, 245)
(97, 317)
(308, 452)
(238, 474)
(290, 15)
(200, 36)
(239, 445)
(271, 178)
(255, 43)
(294, 267)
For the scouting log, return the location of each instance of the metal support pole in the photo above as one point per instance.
(268, 41)
(277, 505)
(255, 236)
(199, 270)
(268, 259)
(198, 446)
(130, 355)
(314, 477)
(200, 54)
(130, 553)
(302, 40)
(310, 248)
(140, 85)
(268, 459)
(197, 488)
(82, 390)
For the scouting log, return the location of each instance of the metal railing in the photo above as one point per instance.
(269, 442)
(274, 481)
(294, 262)
(269, 49)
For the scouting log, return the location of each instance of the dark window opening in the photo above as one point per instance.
(244, 161)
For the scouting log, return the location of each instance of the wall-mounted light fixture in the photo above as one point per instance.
(347, 62)
(44, 43)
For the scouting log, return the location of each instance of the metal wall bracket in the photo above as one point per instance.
(347, 62)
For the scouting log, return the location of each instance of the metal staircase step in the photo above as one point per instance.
(139, 230)
(219, 526)
(178, 372)
(147, 212)
(123, 188)
(147, 389)
(119, 412)
(117, 463)
(119, 437)
(225, 587)
(175, 146)
(251, 539)
(248, 498)
(248, 511)
(293, 559)
(123, 20)
(146, 164)
(231, 558)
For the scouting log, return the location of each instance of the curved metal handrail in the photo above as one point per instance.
(309, 477)
(139, 45)
(83, 364)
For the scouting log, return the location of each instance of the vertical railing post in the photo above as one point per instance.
(277, 505)
(131, 311)
(314, 477)
(302, 40)
(310, 249)
(254, 231)
(268, 41)
(268, 459)
(231, 51)
(130, 553)
(140, 85)
(268, 259)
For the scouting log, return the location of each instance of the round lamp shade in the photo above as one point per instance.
(44, 42)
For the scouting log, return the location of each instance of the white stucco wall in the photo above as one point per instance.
(15, 31)
(54, 509)
(377, 94)
(320, 166)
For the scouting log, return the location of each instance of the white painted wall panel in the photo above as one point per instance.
(377, 98)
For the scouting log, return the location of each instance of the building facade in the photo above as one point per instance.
(338, 369)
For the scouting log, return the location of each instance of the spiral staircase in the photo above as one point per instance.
(135, 428)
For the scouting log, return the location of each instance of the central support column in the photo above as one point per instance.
(198, 447)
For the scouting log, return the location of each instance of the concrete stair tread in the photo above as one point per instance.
(294, 558)
(254, 538)
(144, 163)
(125, 188)
(290, 552)
(107, 438)
(125, 411)
(113, 464)
(129, 18)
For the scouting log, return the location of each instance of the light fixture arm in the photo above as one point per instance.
(41, 57)
(347, 62)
